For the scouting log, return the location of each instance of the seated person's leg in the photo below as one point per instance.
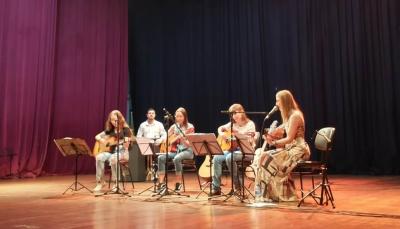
(161, 165)
(184, 155)
(101, 158)
(217, 167)
(237, 156)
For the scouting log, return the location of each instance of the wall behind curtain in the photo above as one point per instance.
(63, 68)
(339, 58)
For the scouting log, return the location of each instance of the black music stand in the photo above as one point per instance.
(205, 145)
(146, 148)
(73, 147)
(247, 149)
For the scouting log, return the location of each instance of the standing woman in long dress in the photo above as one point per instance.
(273, 170)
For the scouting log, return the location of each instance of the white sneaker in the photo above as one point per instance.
(114, 188)
(98, 187)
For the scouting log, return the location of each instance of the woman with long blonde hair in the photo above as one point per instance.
(115, 128)
(274, 166)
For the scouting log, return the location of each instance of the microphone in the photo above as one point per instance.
(273, 110)
(167, 114)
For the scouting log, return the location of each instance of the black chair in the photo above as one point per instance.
(323, 140)
(188, 165)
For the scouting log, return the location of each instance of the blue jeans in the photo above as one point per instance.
(177, 158)
(217, 166)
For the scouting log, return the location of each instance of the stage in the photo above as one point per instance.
(361, 201)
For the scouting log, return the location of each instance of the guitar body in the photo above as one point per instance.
(204, 170)
(227, 143)
(100, 147)
(172, 147)
(172, 143)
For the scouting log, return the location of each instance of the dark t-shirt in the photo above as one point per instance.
(125, 132)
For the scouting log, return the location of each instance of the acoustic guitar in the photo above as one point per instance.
(106, 146)
(204, 170)
(172, 146)
(225, 144)
(227, 140)
(172, 141)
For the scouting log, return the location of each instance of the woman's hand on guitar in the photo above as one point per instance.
(223, 137)
(277, 133)
(251, 134)
(179, 137)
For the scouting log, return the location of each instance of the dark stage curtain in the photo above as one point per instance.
(340, 58)
(63, 68)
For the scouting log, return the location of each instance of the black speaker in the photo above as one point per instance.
(137, 165)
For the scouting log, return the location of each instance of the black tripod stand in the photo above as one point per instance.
(73, 147)
(245, 149)
(231, 151)
(74, 186)
(117, 189)
(165, 191)
(325, 191)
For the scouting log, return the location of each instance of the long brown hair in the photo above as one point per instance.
(288, 104)
(236, 107)
(121, 121)
(185, 115)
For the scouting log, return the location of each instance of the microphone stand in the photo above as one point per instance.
(231, 151)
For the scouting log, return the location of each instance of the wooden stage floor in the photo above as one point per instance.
(361, 202)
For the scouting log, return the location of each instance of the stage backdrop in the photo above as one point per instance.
(341, 59)
(63, 68)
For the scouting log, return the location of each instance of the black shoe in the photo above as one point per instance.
(178, 187)
(215, 192)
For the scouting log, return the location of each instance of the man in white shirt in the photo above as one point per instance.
(151, 128)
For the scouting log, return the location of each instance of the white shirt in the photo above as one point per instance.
(152, 131)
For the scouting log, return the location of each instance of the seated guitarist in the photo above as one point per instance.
(179, 147)
(243, 125)
(115, 123)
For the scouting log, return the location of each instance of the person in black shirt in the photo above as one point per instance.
(116, 134)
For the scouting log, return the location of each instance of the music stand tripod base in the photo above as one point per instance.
(73, 147)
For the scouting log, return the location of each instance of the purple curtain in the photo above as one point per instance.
(63, 68)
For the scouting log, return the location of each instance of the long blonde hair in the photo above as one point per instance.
(121, 121)
(288, 104)
(236, 107)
